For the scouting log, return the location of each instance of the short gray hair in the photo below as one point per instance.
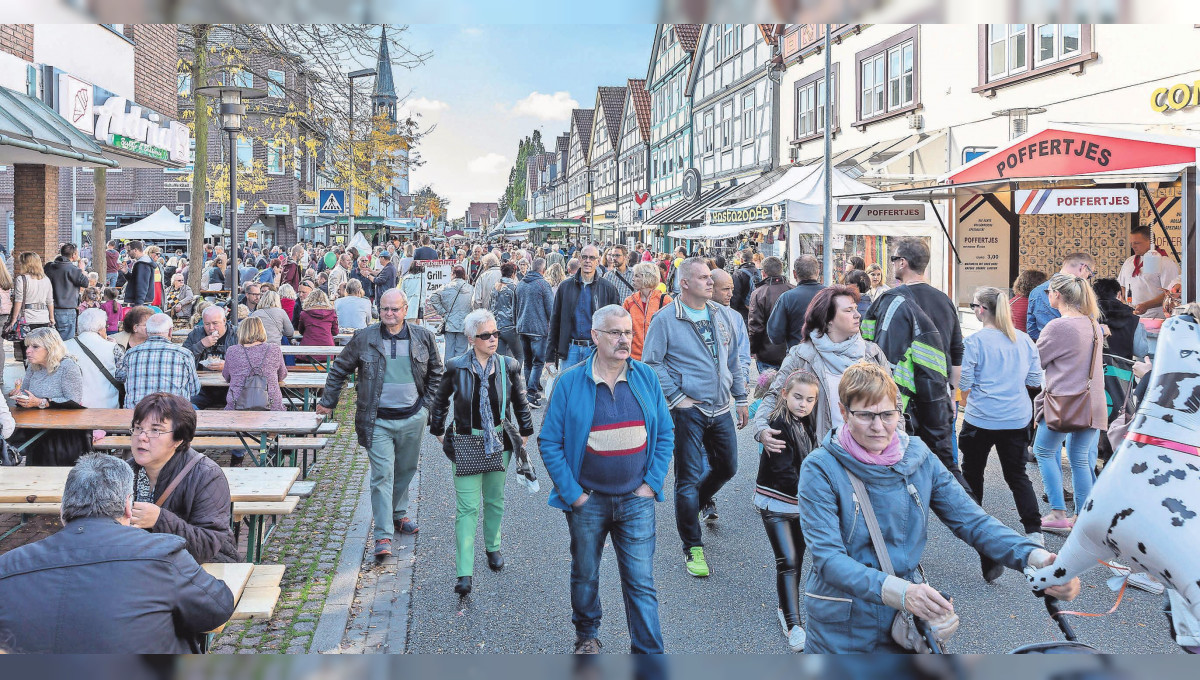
(476, 319)
(539, 264)
(686, 265)
(602, 315)
(92, 320)
(97, 486)
(159, 324)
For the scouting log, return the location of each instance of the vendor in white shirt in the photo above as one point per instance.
(1146, 283)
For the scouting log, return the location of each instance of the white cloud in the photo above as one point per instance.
(555, 106)
(472, 31)
(424, 105)
(488, 164)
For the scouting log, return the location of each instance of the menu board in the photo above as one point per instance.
(983, 238)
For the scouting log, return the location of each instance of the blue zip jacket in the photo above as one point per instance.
(1039, 312)
(568, 421)
(843, 594)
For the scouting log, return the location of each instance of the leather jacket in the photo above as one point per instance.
(362, 355)
(463, 384)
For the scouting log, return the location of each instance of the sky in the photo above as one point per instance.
(486, 87)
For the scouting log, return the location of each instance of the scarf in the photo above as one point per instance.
(1137, 260)
(491, 443)
(839, 355)
(889, 456)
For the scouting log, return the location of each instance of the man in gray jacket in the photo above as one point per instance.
(692, 346)
(535, 301)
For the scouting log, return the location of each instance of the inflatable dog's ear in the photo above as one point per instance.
(1143, 509)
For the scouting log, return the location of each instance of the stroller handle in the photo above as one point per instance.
(1052, 608)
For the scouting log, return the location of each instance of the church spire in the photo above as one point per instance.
(384, 94)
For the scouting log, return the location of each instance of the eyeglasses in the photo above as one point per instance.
(866, 418)
(152, 433)
(893, 259)
(617, 334)
(487, 336)
(391, 310)
(976, 305)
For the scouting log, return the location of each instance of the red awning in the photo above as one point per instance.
(1072, 150)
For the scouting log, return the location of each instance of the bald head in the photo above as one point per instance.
(722, 287)
(393, 307)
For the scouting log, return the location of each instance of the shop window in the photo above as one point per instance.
(275, 84)
(1012, 53)
(888, 77)
(810, 105)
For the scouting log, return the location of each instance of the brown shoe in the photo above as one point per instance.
(383, 548)
(588, 646)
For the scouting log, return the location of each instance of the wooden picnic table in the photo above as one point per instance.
(315, 350)
(45, 484)
(297, 381)
(207, 422)
(180, 334)
(255, 589)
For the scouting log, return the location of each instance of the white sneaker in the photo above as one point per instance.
(782, 621)
(1037, 537)
(1138, 580)
(796, 639)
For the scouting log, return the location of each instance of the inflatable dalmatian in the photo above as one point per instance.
(1143, 508)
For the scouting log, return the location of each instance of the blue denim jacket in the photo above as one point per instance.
(842, 596)
(568, 421)
(1039, 312)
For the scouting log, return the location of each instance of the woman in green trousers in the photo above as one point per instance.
(484, 395)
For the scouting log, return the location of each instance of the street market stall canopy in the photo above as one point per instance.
(32, 132)
(162, 225)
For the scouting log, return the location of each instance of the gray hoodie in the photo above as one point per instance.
(675, 349)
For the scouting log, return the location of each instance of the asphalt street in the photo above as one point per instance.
(526, 608)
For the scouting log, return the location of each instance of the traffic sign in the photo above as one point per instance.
(691, 185)
(332, 201)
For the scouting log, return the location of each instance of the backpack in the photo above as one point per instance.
(755, 277)
(255, 394)
(503, 306)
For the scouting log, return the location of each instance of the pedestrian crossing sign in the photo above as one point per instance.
(332, 201)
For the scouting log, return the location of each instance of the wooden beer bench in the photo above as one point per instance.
(256, 590)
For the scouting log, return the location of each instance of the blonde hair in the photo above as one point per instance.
(556, 275)
(1076, 293)
(800, 377)
(269, 300)
(317, 299)
(489, 260)
(287, 292)
(6, 282)
(251, 330)
(49, 338)
(645, 275)
(867, 384)
(198, 311)
(995, 301)
(31, 265)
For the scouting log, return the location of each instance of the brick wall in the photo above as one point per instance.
(36, 216)
(155, 58)
(17, 40)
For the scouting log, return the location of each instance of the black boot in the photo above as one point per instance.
(463, 587)
(495, 560)
(991, 570)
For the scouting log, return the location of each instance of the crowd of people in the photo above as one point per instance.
(641, 360)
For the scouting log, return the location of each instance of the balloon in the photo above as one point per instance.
(1143, 509)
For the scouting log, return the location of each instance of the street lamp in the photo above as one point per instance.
(360, 73)
(232, 109)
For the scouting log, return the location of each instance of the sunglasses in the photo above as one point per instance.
(487, 336)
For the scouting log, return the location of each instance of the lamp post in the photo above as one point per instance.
(360, 73)
(232, 109)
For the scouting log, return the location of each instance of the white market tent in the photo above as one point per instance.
(162, 225)
(801, 191)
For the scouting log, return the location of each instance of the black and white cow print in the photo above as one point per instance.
(1143, 509)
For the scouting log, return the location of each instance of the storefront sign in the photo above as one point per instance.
(120, 123)
(1067, 153)
(881, 212)
(983, 241)
(279, 209)
(75, 102)
(756, 213)
(1075, 201)
(1176, 97)
(610, 214)
(691, 185)
(306, 210)
(435, 275)
(251, 234)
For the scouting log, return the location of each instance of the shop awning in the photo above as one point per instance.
(316, 224)
(683, 213)
(32, 132)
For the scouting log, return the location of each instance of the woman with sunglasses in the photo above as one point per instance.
(484, 395)
(849, 598)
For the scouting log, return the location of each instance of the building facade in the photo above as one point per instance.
(670, 111)
(558, 183)
(481, 216)
(606, 137)
(579, 171)
(633, 163)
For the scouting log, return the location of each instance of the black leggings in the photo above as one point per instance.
(787, 541)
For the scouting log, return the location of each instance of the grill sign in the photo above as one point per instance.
(756, 213)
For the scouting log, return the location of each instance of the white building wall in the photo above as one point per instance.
(91, 52)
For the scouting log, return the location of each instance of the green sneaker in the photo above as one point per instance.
(696, 565)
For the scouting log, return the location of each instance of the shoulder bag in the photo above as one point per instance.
(469, 456)
(441, 330)
(19, 326)
(120, 386)
(195, 458)
(255, 394)
(904, 627)
(9, 455)
(1071, 412)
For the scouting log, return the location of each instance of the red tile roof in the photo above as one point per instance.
(689, 35)
(583, 119)
(641, 105)
(612, 99)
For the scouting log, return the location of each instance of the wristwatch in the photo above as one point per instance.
(44, 403)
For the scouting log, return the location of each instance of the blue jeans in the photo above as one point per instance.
(763, 367)
(534, 347)
(576, 354)
(695, 435)
(64, 321)
(110, 278)
(630, 520)
(1081, 452)
(456, 344)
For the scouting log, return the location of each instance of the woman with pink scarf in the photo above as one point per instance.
(849, 600)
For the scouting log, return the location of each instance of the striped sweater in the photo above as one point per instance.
(614, 461)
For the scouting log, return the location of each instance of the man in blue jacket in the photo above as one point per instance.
(606, 441)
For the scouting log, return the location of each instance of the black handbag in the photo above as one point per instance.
(9, 456)
(469, 456)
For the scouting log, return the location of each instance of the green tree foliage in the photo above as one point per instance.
(518, 176)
